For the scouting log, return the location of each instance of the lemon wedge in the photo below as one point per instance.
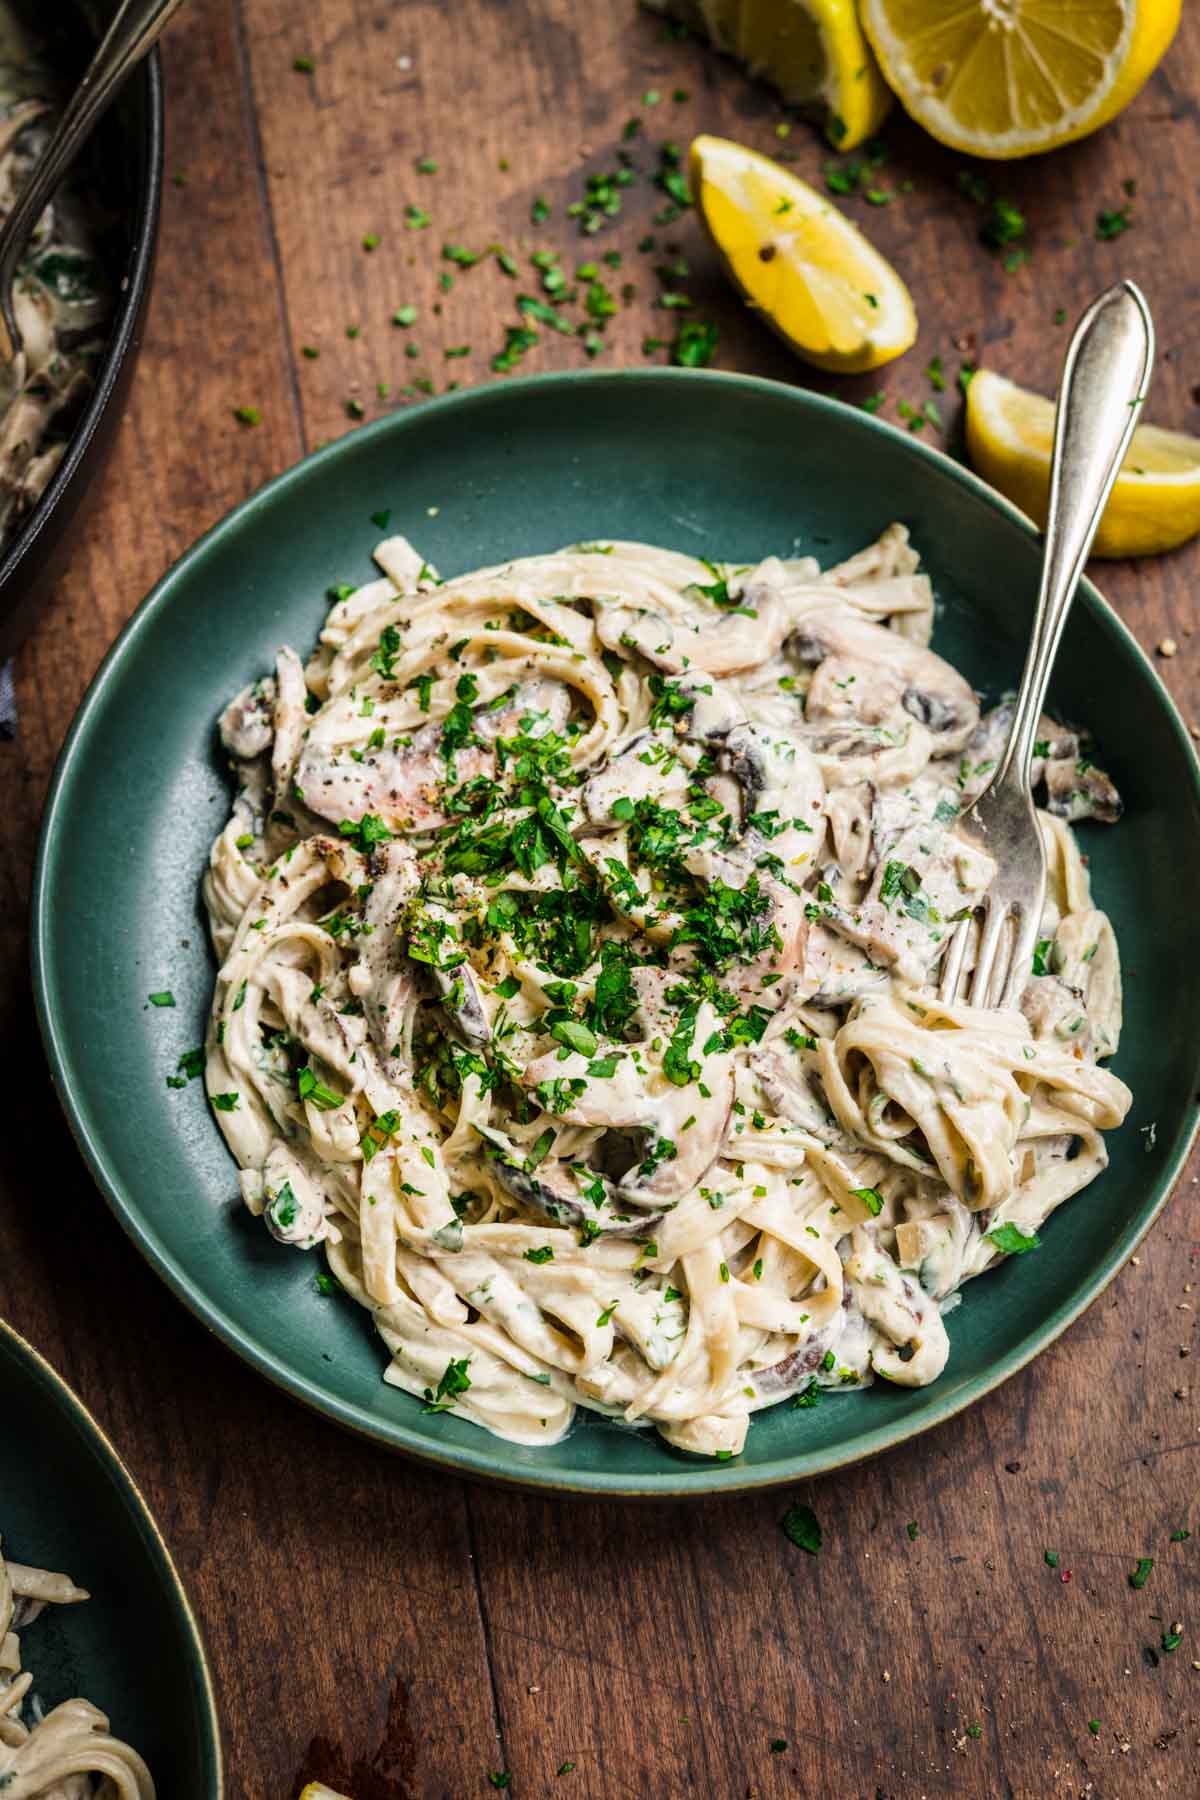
(316, 1790)
(1155, 504)
(813, 51)
(800, 262)
(1000, 78)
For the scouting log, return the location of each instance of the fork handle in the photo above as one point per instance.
(1105, 379)
(134, 29)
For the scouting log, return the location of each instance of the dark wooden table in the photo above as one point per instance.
(392, 1631)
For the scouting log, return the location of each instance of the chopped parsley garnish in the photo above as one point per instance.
(1012, 1240)
(454, 1381)
(695, 343)
(544, 1254)
(1140, 1574)
(377, 1134)
(1112, 222)
(871, 1198)
(365, 832)
(575, 1036)
(164, 998)
(1005, 225)
(902, 883)
(670, 701)
(225, 1102)
(801, 1526)
(191, 1064)
(308, 1087)
(283, 1209)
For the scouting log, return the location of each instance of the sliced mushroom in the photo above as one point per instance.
(383, 978)
(463, 1003)
(924, 685)
(652, 765)
(247, 725)
(403, 786)
(796, 1370)
(850, 811)
(665, 1108)
(717, 642)
(534, 708)
(786, 1071)
(781, 927)
(1078, 997)
(936, 1245)
(780, 788)
(567, 1193)
(1077, 789)
(290, 719)
(916, 1344)
(927, 877)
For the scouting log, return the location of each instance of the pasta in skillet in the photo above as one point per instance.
(67, 1753)
(576, 921)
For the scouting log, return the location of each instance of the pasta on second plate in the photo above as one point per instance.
(577, 920)
(67, 1753)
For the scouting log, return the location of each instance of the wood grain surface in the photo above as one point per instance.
(395, 1632)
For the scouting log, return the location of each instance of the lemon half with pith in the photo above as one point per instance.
(1001, 78)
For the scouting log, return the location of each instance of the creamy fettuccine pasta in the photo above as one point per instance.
(579, 922)
(67, 1753)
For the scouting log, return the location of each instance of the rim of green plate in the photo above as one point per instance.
(69, 1403)
(469, 1461)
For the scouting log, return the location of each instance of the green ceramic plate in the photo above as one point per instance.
(719, 464)
(68, 1502)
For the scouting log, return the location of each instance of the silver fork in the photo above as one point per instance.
(132, 32)
(1104, 381)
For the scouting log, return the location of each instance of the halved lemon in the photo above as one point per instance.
(1155, 504)
(1000, 78)
(799, 261)
(813, 51)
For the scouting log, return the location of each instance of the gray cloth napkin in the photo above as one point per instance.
(8, 703)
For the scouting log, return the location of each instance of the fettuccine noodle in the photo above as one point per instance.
(67, 1753)
(578, 923)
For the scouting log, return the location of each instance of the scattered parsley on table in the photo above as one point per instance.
(801, 1526)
